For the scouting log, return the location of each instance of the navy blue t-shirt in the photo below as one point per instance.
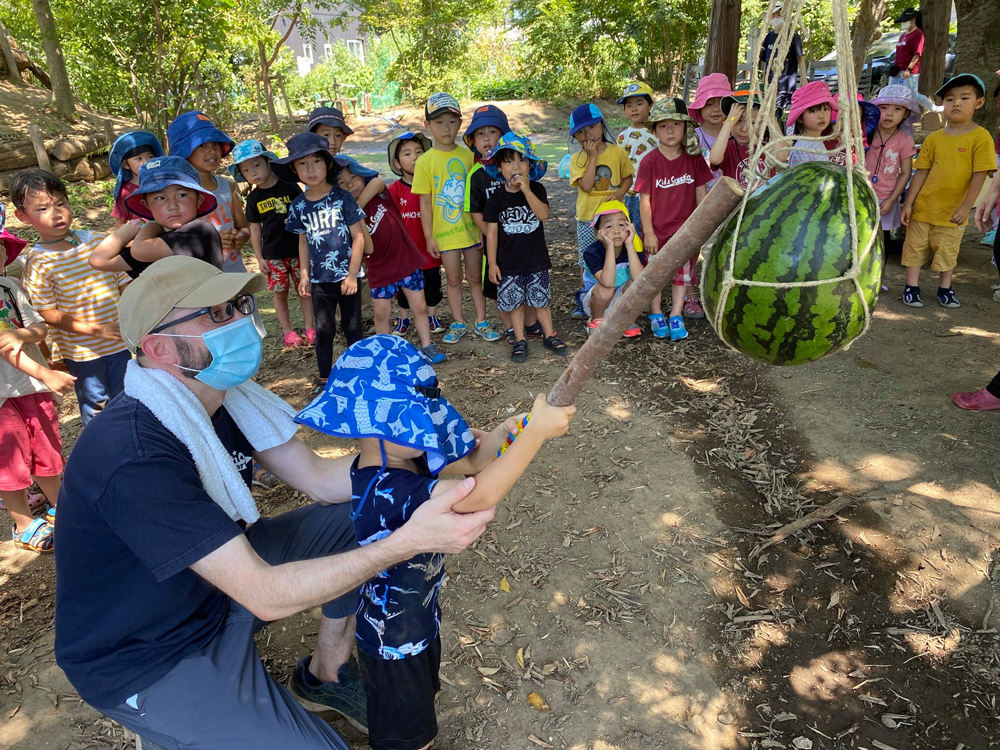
(398, 615)
(133, 517)
(326, 223)
(593, 262)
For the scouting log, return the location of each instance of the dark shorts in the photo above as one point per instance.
(401, 698)
(222, 696)
(414, 282)
(524, 290)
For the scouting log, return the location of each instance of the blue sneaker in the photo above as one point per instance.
(402, 326)
(989, 238)
(911, 296)
(578, 313)
(658, 324)
(482, 328)
(431, 352)
(677, 329)
(436, 326)
(947, 297)
(346, 697)
(455, 332)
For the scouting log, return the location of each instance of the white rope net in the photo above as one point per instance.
(767, 141)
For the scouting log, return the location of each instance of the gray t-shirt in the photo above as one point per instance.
(17, 312)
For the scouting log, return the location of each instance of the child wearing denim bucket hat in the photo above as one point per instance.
(515, 241)
(385, 393)
(601, 170)
(276, 250)
(194, 137)
(170, 199)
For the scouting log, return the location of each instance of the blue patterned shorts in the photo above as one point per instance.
(520, 290)
(584, 239)
(414, 282)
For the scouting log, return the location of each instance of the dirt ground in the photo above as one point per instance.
(622, 583)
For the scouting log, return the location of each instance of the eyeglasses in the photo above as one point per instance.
(221, 313)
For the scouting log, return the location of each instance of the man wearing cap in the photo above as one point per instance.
(164, 571)
(794, 66)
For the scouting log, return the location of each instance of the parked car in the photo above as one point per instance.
(882, 54)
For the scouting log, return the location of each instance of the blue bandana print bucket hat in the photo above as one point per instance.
(525, 148)
(383, 387)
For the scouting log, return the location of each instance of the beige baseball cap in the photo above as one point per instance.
(177, 281)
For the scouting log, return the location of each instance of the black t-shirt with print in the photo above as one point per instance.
(521, 247)
(269, 208)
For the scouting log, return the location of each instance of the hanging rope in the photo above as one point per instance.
(767, 141)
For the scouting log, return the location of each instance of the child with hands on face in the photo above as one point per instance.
(611, 263)
(515, 241)
(731, 151)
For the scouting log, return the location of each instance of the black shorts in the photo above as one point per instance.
(401, 698)
(432, 289)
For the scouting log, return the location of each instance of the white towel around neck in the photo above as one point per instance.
(265, 420)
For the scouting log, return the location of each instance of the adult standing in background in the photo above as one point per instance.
(794, 67)
(909, 49)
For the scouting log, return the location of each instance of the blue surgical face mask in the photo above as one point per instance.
(236, 351)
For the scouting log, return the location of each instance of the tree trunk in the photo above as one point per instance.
(979, 50)
(13, 73)
(937, 18)
(867, 28)
(722, 54)
(62, 94)
(265, 77)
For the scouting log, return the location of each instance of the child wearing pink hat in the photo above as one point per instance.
(889, 160)
(813, 112)
(706, 109)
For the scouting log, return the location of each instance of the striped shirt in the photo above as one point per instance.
(63, 280)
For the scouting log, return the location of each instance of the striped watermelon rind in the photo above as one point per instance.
(795, 229)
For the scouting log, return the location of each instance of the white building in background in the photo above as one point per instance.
(310, 53)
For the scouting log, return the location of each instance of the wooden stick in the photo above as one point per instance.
(659, 272)
(39, 145)
(109, 132)
(824, 513)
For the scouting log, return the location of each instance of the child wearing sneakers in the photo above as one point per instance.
(409, 434)
(79, 303)
(331, 229)
(439, 179)
(515, 241)
(130, 151)
(277, 251)
(636, 139)
(671, 183)
(193, 137)
(951, 168)
(30, 445)
(600, 169)
(394, 263)
(404, 150)
(612, 262)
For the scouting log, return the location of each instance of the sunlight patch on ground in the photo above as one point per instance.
(824, 679)
(700, 386)
(884, 468)
(618, 409)
(979, 332)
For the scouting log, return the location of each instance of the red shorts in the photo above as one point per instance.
(279, 272)
(29, 440)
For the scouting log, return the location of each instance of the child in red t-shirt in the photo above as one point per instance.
(671, 183)
(404, 150)
(731, 151)
(392, 259)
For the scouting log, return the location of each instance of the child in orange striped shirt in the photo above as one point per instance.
(79, 303)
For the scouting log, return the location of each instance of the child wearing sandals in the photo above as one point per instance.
(393, 261)
(385, 393)
(515, 240)
(30, 445)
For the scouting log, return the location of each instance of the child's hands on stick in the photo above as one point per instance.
(549, 421)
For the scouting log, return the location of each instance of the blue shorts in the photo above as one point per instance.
(632, 204)
(414, 282)
(477, 246)
(584, 239)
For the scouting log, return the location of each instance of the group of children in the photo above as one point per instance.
(327, 226)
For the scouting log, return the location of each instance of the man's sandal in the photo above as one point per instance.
(37, 537)
(554, 344)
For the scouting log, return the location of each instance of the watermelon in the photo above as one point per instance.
(796, 229)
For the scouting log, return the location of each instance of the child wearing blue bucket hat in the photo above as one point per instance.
(385, 393)
(394, 263)
(170, 199)
(130, 151)
(276, 250)
(515, 241)
(194, 137)
(601, 170)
